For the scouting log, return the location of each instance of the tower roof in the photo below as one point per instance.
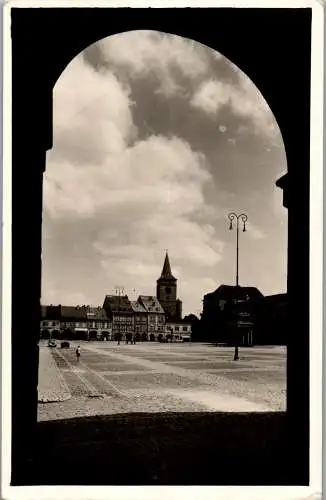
(166, 271)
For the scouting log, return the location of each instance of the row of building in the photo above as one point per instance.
(147, 318)
(231, 315)
(119, 318)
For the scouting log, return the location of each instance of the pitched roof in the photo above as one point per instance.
(96, 314)
(137, 307)
(166, 270)
(229, 292)
(279, 298)
(50, 312)
(117, 303)
(73, 313)
(151, 304)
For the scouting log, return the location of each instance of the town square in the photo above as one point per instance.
(157, 377)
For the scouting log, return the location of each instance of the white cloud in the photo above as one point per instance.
(115, 202)
(142, 52)
(161, 172)
(245, 101)
(92, 114)
(211, 96)
(146, 192)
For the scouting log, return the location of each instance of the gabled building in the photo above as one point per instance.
(166, 292)
(229, 314)
(155, 316)
(120, 313)
(140, 320)
(98, 323)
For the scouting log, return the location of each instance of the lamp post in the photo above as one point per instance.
(237, 219)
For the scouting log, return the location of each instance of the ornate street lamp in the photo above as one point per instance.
(237, 220)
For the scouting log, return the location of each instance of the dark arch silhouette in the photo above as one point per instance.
(258, 42)
(105, 335)
(45, 334)
(92, 335)
(56, 334)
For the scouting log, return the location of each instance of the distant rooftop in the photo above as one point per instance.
(137, 307)
(151, 303)
(229, 292)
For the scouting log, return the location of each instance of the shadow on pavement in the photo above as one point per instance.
(162, 449)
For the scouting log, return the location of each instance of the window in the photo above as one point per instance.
(176, 328)
(168, 290)
(184, 328)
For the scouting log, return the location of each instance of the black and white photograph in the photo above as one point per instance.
(165, 184)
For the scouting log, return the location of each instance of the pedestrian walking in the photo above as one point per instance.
(78, 353)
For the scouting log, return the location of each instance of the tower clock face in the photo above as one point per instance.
(168, 290)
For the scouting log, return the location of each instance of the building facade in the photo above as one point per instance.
(73, 324)
(229, 315)
(155, 316)
(178, 331)
(98, 324)
(273, 322)
(50, 322)
(140, 320)
(121, 315)
(166, 292)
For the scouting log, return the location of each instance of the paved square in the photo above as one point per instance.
(152, 377)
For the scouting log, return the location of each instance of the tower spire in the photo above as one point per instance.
(166, 271)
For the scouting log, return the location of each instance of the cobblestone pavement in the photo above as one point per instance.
(52, 385)
(148, 377)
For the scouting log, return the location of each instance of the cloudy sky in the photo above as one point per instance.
(156, 139)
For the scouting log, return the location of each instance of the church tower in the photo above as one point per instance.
(166, 291)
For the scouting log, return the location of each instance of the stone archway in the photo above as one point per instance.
(56, 334)
(32, 136)
(105, 335)
(92, 335)
(45, 334)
